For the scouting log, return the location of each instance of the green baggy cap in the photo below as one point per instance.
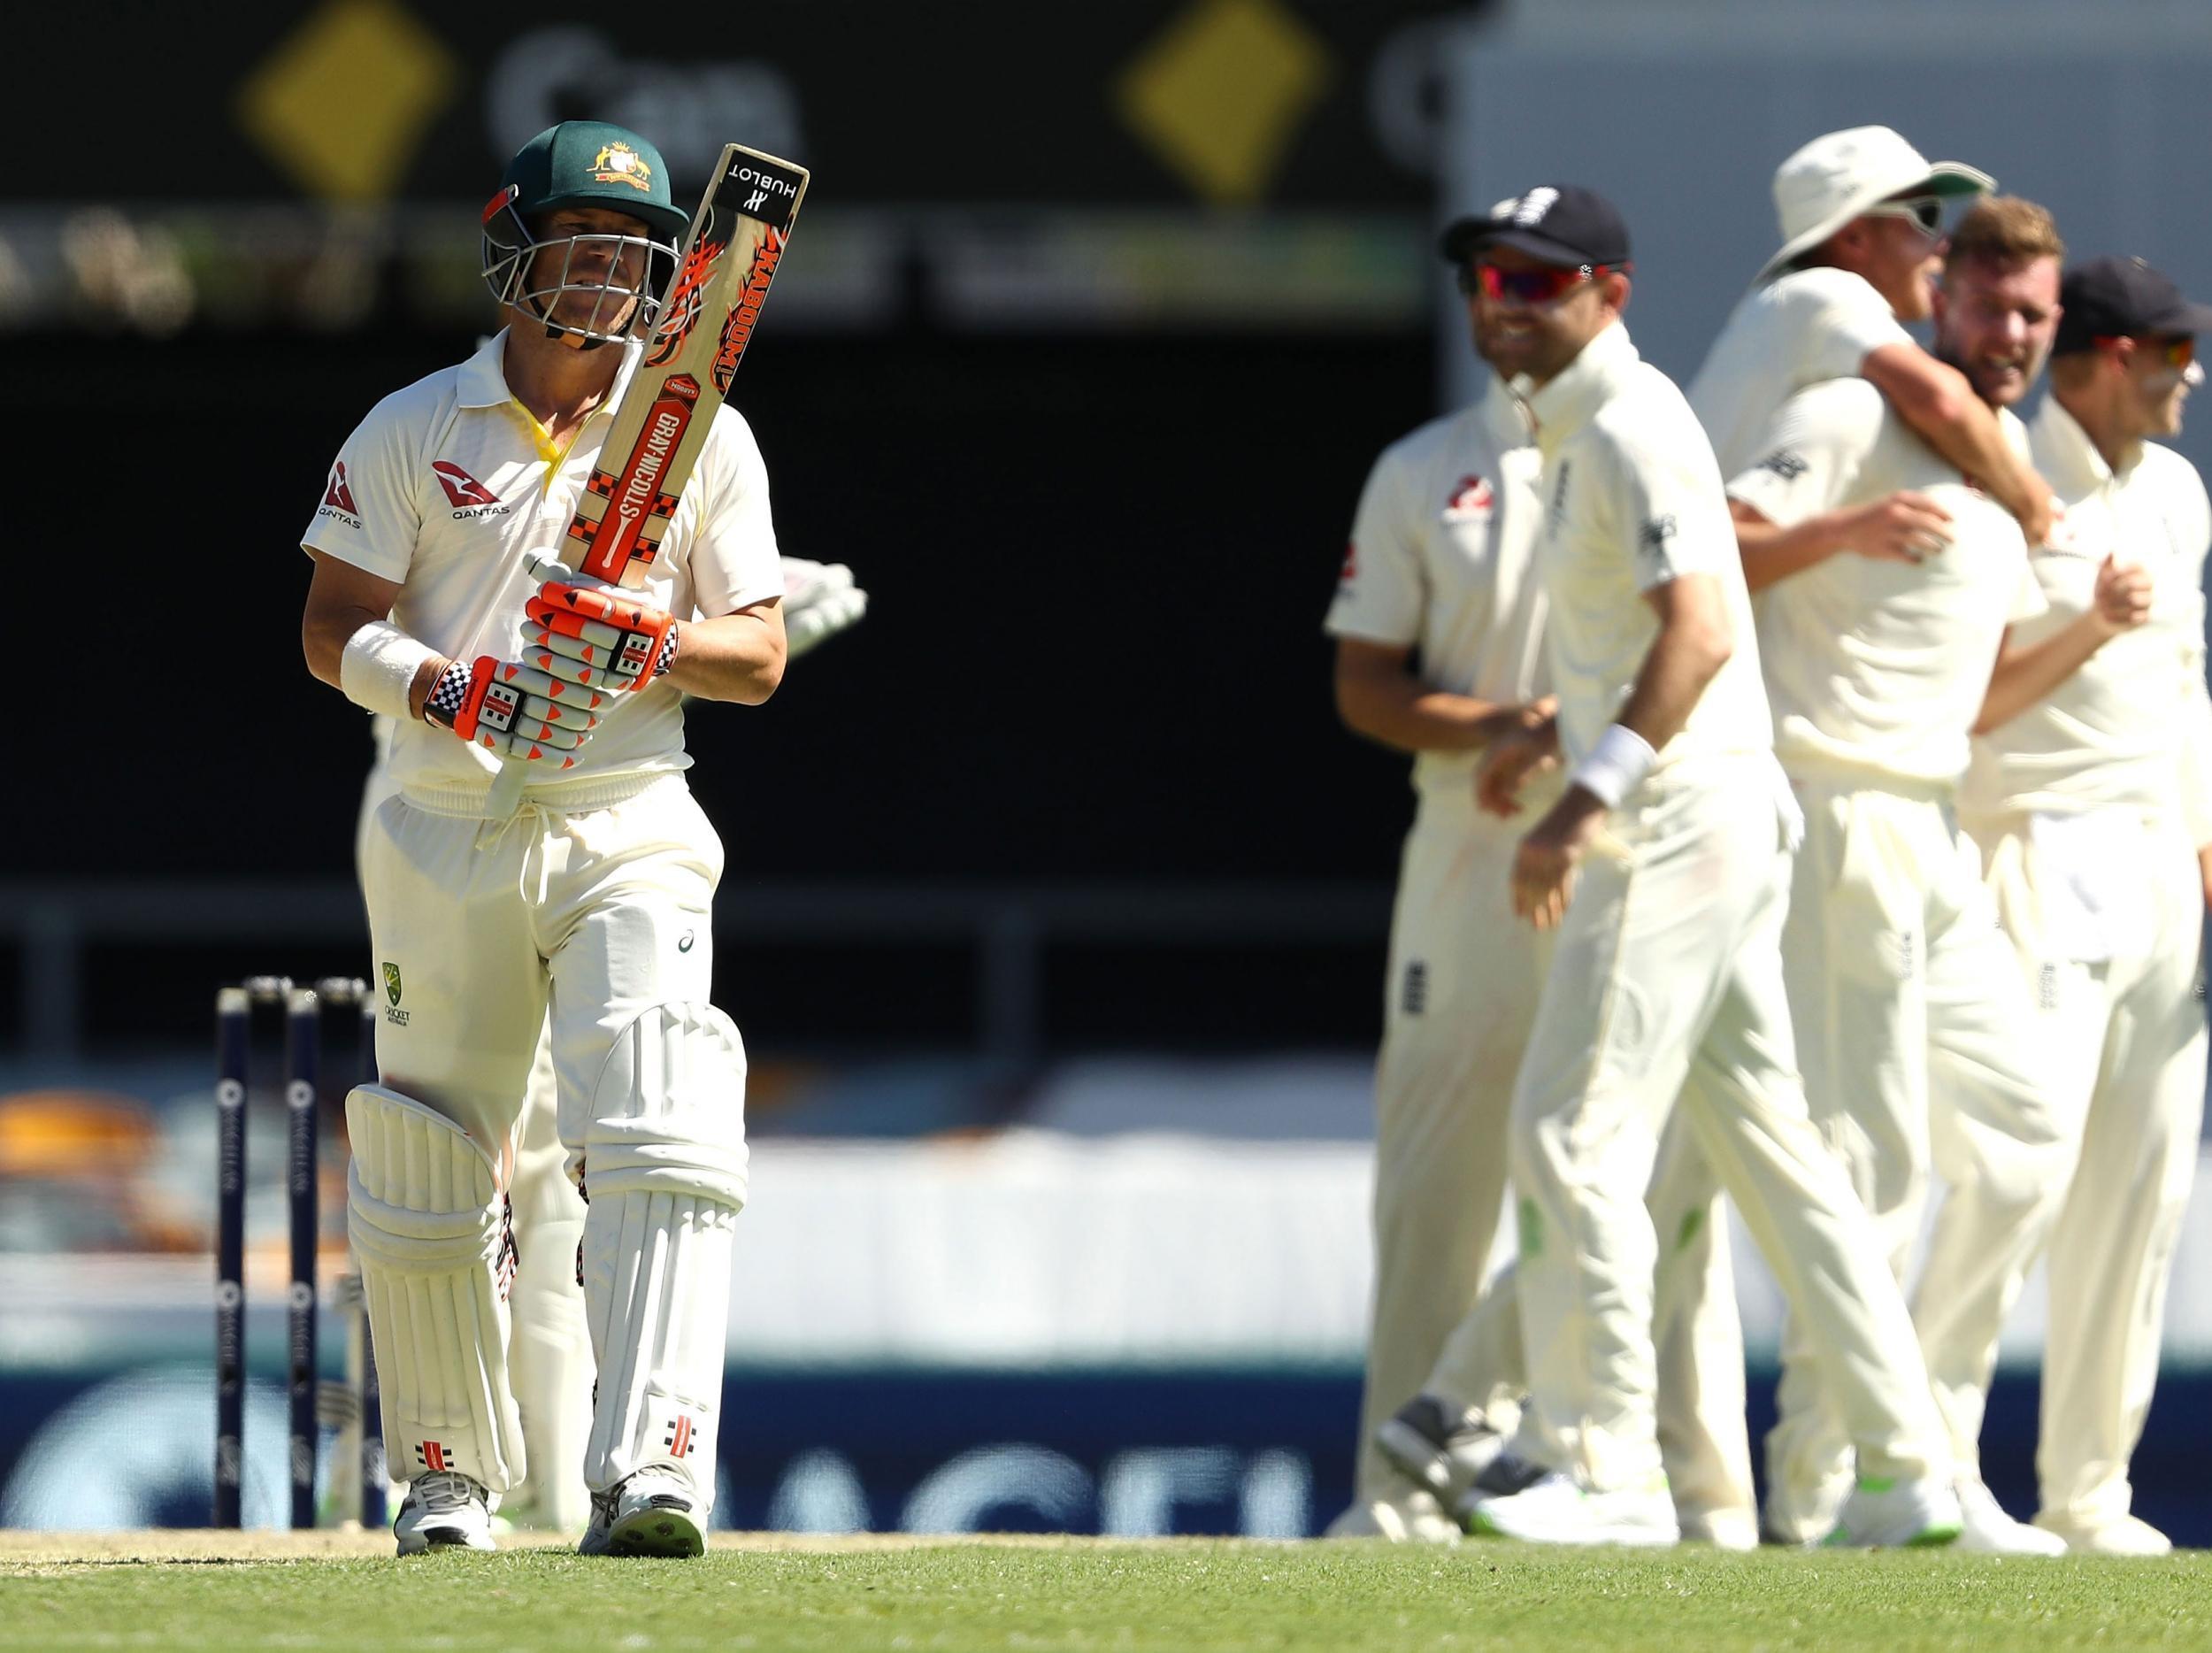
(595, 163)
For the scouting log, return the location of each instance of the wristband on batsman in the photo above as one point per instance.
(377, 671)
(1611, 770)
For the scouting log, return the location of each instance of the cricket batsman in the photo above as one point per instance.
(586, 913)
(549, 1345)
(1664, 868)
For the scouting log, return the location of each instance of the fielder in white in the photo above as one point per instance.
(1664, 867)
(1439, 622)
(549, 1344)
(2093, 810)
(1914, 1034)
(586, 914)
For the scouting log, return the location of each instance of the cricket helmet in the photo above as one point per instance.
(584, 163)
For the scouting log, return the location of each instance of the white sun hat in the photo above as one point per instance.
(1838, 175)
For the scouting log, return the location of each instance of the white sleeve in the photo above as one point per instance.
(1812, 452)
(369, 515)
(733, 558)
(2193, 527)
(1666, 492)
(2028, 600)
(1381, 592)
(1844, 322)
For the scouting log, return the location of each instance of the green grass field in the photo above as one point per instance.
(228, 1592)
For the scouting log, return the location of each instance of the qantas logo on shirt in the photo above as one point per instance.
(470, 497)
(1350, 571)
(338, 497)
(1471, 497)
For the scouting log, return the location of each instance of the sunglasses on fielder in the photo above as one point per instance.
(1926, 211)
(2177, 350)
(1545, 285)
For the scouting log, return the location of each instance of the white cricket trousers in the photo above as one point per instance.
(569, 923)
(549, 1344)
(1461, 992)
(1698, 1332)
(2125, 1034)
(1920, 1054)
(1664, 991)
(595, 913)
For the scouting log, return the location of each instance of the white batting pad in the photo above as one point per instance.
(426, 1213)
(664, 1162)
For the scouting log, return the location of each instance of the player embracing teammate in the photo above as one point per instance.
(1900, 615)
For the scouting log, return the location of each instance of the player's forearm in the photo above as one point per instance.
(1938, 402)
(1693, 642)
(736, 657)
(2022, 676)
(1408, 717)
(1772, 553)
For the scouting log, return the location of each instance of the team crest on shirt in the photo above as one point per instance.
(1784, 464)
(1471, 497)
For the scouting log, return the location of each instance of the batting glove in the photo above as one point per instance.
(595, 636)
(514, 710)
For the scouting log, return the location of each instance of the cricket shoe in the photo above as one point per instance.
(1897, 1515)
(1986, 1530)
(2120, 1535)
(1557, 1509)
(443, 1510)
(1437, 1447)
(652, 1513)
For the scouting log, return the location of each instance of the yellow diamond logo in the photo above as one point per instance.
(342, 103)
(1219, 96)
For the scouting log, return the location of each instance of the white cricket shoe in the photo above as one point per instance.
(2120, 1535)
(655, 1512)
(1557, 1509)
(1438, 1447)
(1897, 1515)
(1411, 1517)
(1986, 1530)
(443, 1510)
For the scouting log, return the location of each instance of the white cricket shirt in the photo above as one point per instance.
(2133, 726)
(1877, 670)
(1633, 501)
(450, 484)
(1442, 560)
(1798, 330)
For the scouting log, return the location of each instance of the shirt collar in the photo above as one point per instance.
(1568, 402)
(1503, 418)
(484, 375)
(2068, 460)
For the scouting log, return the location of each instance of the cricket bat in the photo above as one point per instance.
(729, 257)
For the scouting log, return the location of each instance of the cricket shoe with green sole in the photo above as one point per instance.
(1887, 1514)
(653, 1512)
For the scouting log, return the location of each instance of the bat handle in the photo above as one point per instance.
(506, 794)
